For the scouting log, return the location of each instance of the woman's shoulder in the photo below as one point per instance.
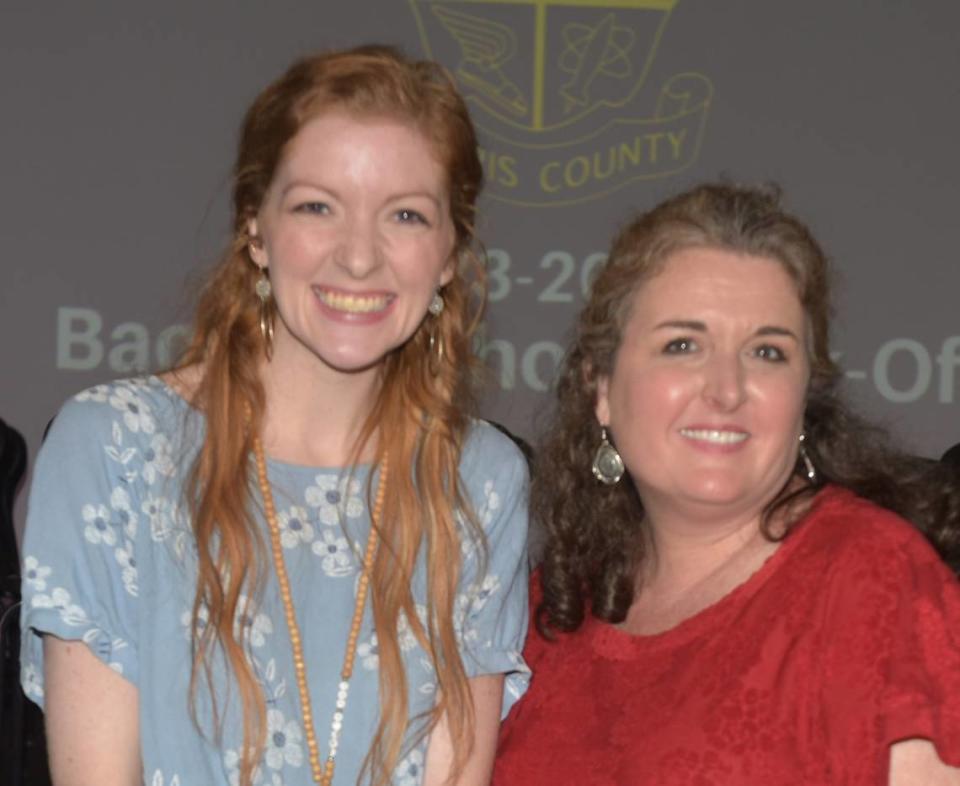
(489, 446)
(495, 476)
(852, 527)
(136, 406)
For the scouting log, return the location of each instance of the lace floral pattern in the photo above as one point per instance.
(845, 641)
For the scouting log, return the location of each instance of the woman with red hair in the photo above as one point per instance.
(295, 558)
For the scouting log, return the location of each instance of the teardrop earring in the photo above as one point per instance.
(264, 290)
(435, 309)
(805, 458)
(607, 464)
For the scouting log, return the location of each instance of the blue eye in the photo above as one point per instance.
(680, 346)
(317, 208)
(770, 353)
(406, 216)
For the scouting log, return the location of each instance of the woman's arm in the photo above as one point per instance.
(916, 763)
(487, 693)
(93, 734)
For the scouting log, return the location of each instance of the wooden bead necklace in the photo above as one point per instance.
(322, 774)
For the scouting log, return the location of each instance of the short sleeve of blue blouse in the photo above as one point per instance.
(107, 550)
(80, 561)
(493, 606)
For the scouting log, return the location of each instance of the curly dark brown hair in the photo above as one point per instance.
(594, 533)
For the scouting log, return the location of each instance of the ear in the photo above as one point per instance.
(446, 275)
(255, 245)
(602, 406)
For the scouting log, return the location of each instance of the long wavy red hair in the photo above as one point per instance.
(424, 403)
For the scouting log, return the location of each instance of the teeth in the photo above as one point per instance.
(355, 304)
(714, 435)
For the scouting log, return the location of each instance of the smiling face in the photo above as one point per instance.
(356, 233)
(706, 398)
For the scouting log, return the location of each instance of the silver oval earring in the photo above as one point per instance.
(805, 458)
(607, 464)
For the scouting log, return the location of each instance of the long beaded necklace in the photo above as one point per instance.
(322, 774)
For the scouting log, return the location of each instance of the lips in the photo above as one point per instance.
(352, 303)
(715, 436)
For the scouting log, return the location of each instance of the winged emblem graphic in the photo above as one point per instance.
(485, 46)
(559, 92)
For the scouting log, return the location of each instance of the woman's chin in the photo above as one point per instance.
(715, 495)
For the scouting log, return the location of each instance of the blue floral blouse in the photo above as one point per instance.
(109, 559)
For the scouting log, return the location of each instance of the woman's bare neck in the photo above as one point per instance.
(312, 418)
(688, 568)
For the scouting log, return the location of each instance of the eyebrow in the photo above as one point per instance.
(306, 184)
(682, 324)
(701, 327)
(391, 198)
(436, 201)
(775, 330)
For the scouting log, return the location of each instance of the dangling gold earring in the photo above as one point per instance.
(263, 290)
(436, 337)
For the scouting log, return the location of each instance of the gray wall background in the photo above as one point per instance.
(118, 123)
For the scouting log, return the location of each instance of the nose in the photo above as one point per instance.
(358, 251)
(724, 384)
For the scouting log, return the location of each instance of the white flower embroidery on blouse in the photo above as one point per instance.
(158, 779)
(123, 514)
(32, 683)
(369, 653)
(35, 574)
(105, 646)
(136, 412)
(60, 599)
(250, 623)
(159, 512)
(480, 595)
(491, 504)
(405, 635)
(98, 393)
(157, 459)
(128, 567)
(335, 553)
(283, 741)
(467, 606)
(295, 527)
(98, 529)
(334, 497)
(231, 760)
(410, 770)
(514, 688)
(203, 617)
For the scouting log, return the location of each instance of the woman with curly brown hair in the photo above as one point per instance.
(731, 593)
(296, 558)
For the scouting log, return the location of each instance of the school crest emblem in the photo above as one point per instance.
(556, 88)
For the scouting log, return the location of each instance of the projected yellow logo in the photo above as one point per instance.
(555, 87)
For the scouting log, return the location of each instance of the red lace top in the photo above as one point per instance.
(845, 641)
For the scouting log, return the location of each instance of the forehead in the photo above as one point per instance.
(385, 149)
(711, 282)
